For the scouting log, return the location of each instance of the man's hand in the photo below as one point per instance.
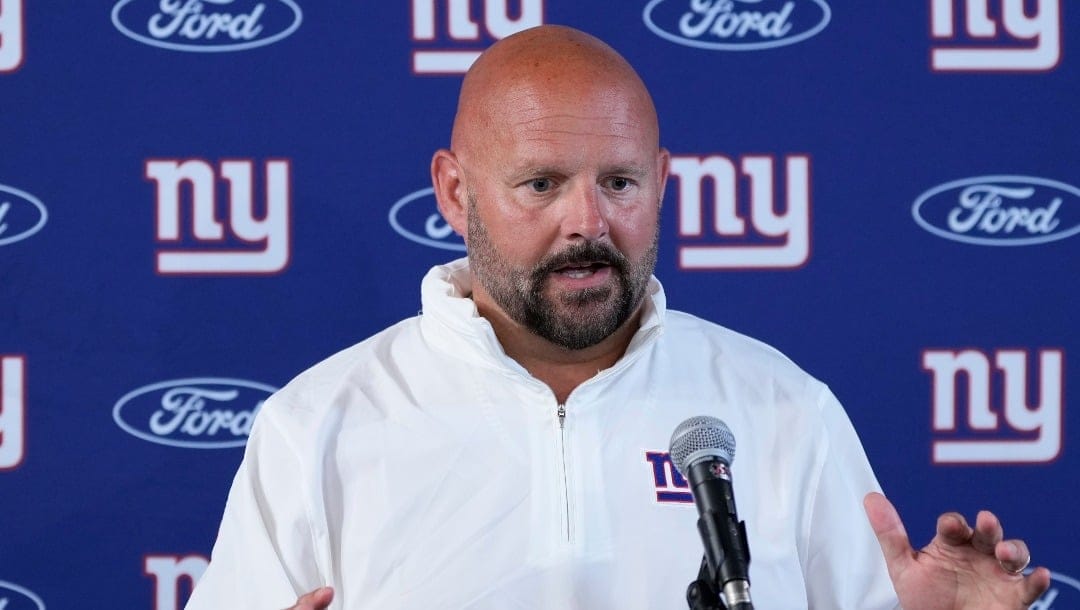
(319, 599)
(961, 567)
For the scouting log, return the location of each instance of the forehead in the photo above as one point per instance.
(558, 120)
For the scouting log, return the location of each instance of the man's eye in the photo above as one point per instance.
(618, 184)
(540, 185)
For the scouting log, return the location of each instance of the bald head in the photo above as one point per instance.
(555, 178)
(548, 62)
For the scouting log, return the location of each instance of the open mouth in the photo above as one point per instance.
(580, 270)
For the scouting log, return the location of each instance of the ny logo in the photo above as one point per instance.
(670, 485)
(11, 35)
(1006, 39)
(256, 244)
(754, 234)
(1031, 434)
(453, 49)
(12, 411)
(169, 573)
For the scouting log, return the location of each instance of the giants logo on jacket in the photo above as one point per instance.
(995, 35)
(737, 223)
(446, 34)
(1002, 425)
(256, 243)
(670, 485)
(12, 412)
(174, 578)
(11, 35)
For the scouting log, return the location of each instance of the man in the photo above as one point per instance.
(489, 453)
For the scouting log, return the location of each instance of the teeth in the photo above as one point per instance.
(578, 273)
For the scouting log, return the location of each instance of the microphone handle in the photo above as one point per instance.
(724, 536)
(737, 595)
(727, 553)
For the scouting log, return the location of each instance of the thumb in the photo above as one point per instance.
(319, 599)
(890, 532)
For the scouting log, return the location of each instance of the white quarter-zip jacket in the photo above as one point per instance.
(423, 468)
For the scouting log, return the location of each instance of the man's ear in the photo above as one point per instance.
(449, 183)
(663, 161)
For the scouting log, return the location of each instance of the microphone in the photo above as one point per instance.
(702, 449)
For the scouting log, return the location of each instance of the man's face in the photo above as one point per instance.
(563, 222)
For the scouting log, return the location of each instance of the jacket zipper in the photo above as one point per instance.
(561, 414)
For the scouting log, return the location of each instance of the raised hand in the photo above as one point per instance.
(961, 568)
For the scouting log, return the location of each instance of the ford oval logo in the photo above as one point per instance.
(416, 217)
(1000, 210)
(736, 25)
(21, 215)
(196, 413)
(1064, 592)
(14, 597)
(206, 26)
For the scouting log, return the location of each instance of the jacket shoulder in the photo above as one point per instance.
(317, 389)
(698, 344)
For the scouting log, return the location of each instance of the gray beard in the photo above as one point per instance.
(578, 319)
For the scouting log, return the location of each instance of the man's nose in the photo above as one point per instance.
(586, 216)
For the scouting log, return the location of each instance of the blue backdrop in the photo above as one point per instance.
(200, 199)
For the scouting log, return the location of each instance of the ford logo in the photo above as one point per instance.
(1064, 592)
(14, 597)
(21, 215)
(196, 413)
(419, 211)
(206, 26)
(1000, 210)
(736, 25)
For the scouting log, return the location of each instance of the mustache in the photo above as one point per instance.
(585, 253)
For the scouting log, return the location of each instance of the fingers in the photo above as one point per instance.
(988, 532)
(1013, 555)
(986, 538)
(890, 532)
(1035, 584)
(954, 530)
(319, 599)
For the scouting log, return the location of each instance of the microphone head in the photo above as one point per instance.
(698, 437)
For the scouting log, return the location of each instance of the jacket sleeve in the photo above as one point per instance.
(845, 567)
(264, 557)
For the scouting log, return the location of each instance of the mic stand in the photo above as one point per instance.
(703, 593)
